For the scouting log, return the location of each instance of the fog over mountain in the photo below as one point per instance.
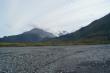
(34, 35)
(17, 16)
(98, 30)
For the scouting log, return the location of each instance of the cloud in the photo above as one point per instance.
(74, 15)
(52, 15)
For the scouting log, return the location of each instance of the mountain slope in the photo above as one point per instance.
(97, 30)
(34, 35)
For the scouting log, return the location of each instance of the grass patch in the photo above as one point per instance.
(54, 43)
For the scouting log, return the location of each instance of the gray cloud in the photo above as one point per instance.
(53, 15)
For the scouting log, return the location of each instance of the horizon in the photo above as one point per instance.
(18, 16)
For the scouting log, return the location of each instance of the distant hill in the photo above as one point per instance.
(97, 30)
(34, 35)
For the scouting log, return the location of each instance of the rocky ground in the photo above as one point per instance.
(55, 59)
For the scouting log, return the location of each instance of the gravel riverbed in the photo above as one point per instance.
(55, 59)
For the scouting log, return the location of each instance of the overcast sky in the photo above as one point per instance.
(17, 16)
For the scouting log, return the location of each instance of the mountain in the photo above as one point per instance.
(62, 33)
(34, 35)
(97, 30)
